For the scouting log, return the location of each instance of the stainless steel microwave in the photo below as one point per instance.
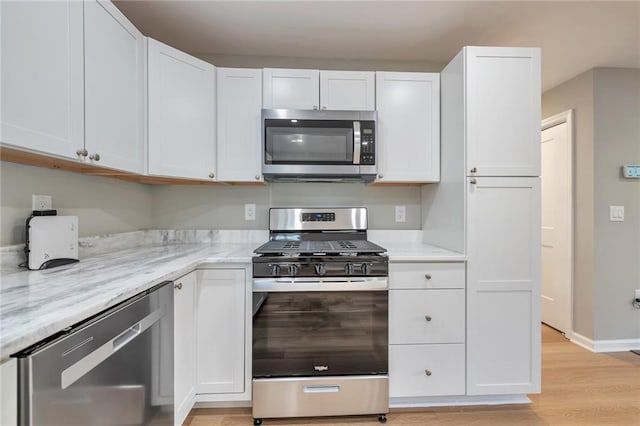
(313, 145)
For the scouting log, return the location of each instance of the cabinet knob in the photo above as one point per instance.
(427, 372)
(178, 286)
(257, 177)
(427, 276)
(428, 318)
(82, 152)
(315, 107)
(212, 175)
(380, 175)
(473, 181)
(324, 107)
(474, 170)
(94, 157)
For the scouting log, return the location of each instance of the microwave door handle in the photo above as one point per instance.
(357, 142)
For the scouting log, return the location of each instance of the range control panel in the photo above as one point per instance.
(318, 217)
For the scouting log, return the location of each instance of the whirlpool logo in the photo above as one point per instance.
(321, 367)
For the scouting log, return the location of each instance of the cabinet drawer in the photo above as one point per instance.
(426, 370)
(426, 316)
(426, 275)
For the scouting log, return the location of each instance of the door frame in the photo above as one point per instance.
(554, 120)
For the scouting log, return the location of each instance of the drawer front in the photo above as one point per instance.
(426, 370)
(426, 275)
(426, 316)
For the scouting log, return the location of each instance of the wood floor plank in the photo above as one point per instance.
(578, 388)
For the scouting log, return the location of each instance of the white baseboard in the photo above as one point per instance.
(449, 401)
(618, 345)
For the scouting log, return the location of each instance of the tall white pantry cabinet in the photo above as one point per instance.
(487, 205)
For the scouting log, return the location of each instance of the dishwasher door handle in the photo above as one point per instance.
(81, 367)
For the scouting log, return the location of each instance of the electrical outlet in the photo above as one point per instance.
(41, 202)
(401, 214)
(249, 212)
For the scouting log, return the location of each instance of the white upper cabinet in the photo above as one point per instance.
(408, 126)
(115, 88)
(347, 90)
(503, 111)
(181, 114)
(313, 89)
(239, 126)
(42, 76)
(290, 89)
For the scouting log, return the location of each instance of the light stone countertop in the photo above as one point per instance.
(37, 304)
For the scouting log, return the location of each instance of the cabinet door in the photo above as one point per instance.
(426, 316)
(9, 392)
(115, 88)
(426, 370)
(347, 90)
(42, 82)
(408, 126)
(184, 329)
(503, 287)
(291, 89)
(220, 317)
(503, 111)
(181, 114)
(239, 126)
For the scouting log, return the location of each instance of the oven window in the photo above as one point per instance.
(319, 145)
(321, 333)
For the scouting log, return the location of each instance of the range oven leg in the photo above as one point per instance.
(382, 418)
(257, 422)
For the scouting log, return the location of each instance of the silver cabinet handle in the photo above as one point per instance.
(94, 157)
(473, 181)
(474, 170)
(380, 176)
(257, 177)
(212, 175)
(82, 152)
(324, 107)
(315, 107)
(428, 318)
(427, 276)
(178, 286)
(427, 372)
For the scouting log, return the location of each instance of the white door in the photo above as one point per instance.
(503, 286)
(115, 88)
(181, 114)
(347, 90)
(556, 228)
(239, 126)
(42, 81)
(290, 88)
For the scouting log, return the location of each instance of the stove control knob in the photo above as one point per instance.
(293, 270)
(320, 268)
(275, 270)
(366, 268)
(348, 269)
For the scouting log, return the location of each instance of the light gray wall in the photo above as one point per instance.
(222, 207)
(239, 61)
(577, 94)
(617, 244)
(102, 205)
(606, 104)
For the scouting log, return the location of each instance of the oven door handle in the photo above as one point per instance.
(301, 284)
(357, 142)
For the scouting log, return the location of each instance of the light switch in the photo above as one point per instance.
(616, 213)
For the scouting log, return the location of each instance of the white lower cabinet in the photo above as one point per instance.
(220, 331)
(426, 329)
(9, 392)
(184, 344)
(426, 370)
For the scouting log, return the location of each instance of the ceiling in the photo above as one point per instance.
(575, 36)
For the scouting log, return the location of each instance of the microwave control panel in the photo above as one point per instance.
(368, 148)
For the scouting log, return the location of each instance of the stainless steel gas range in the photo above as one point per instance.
(320, 317)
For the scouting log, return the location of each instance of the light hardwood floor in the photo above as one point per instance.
(578, 388)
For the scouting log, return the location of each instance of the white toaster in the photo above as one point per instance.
(51, 241)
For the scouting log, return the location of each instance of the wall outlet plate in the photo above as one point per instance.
(249, 212)
(401, 214)
(41, 202)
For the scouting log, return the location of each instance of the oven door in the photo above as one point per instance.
(320, 333)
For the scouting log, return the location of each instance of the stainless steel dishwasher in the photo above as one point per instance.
(115, 368)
